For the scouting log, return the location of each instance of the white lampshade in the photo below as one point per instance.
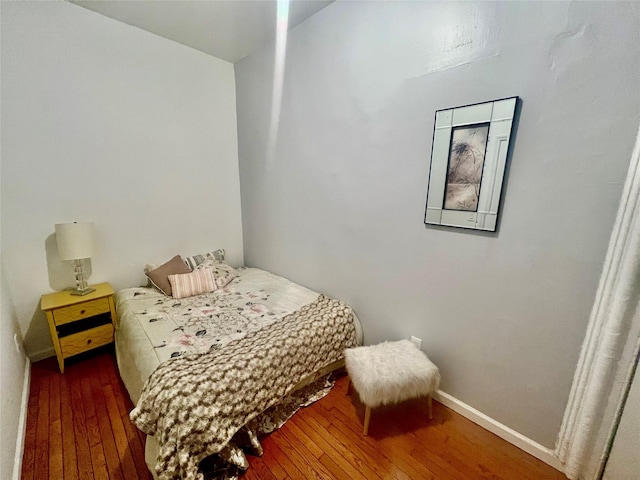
(75, 240)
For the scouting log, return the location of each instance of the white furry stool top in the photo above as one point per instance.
(390, 372)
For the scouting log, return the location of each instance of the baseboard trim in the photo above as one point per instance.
(42, 354)
(541, 452)
(22, 422)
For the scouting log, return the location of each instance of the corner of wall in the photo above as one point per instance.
(14, 387)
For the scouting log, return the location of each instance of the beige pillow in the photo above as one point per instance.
(150, 266)
(147, 268)
(194, 283)
(222, 272)
(160, 276)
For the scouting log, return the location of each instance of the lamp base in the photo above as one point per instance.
(84, 291)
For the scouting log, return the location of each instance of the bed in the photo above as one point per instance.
(256, 322)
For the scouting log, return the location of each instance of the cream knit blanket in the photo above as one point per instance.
(193, 405)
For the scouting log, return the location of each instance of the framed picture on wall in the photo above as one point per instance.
(468, 161)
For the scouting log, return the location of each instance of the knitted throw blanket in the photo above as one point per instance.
(193, 405)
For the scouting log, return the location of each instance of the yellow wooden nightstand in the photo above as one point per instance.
(80, 323)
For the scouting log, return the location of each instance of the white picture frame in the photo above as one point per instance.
(468, 162)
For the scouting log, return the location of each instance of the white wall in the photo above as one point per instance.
(12, 378)
(107, 123)
(340, 206)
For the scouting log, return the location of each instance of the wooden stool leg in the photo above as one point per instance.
(367, 417)
(430, 406)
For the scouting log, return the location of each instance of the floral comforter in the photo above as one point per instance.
(153, 328)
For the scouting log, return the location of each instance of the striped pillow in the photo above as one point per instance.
(195, 260)
(194, 283)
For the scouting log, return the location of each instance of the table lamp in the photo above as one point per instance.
(76, 241)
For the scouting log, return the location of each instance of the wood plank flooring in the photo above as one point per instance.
(78, 428)
(78, 423)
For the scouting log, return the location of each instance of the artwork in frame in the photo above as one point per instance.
(464, 172)
(468, 161)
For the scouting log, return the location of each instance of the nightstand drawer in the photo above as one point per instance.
(79, 311)
(83, 341)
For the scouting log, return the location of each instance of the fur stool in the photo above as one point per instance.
(390, 372)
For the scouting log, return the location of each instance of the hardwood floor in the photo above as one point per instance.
(78, 423)
(78, 428)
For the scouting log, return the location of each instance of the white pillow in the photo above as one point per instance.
(222, 272)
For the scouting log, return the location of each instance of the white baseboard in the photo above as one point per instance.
(545, 454)
(42, 354)
(22, 422)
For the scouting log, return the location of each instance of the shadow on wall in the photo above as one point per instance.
(37, 340)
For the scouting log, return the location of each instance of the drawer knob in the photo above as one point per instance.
(89, 342)
(82, 312)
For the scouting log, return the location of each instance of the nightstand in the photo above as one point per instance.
(80, 323)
